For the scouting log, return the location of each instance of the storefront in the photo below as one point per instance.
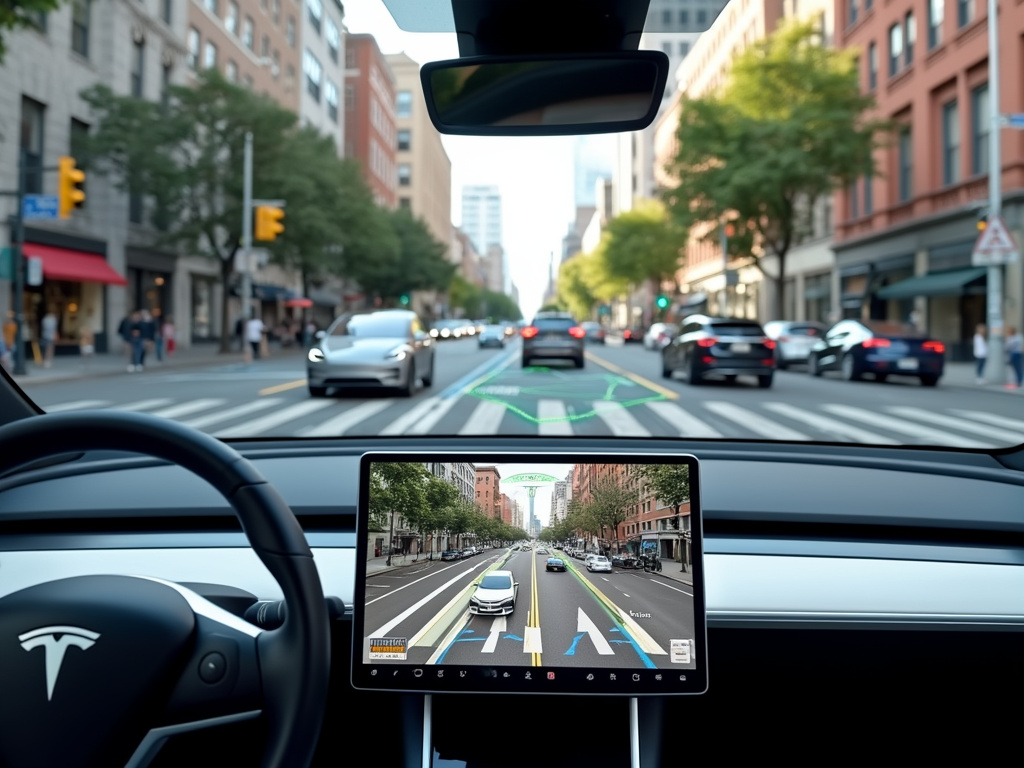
(818, 298)
(150, 282)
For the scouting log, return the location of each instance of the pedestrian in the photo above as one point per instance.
(5, 354)
(158, 338)
(254, 335)
(980, 351)
(87, 345)
(10, 330)
(138, 344)
(167, 334)
(48, 337)
(1015, 354)
(148, 334)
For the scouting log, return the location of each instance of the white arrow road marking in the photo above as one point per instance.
(585, 624)
(497, 627)
(531, 643)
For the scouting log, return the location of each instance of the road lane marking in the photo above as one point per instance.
(919, 431)
(232, 413)
(619, 420)
(477, 376)
(76, 405)
(669, 586)
(687, 424)
(415, 581)
(282, 387)
(531, 642)
(830, 426)
(485, 419)
(385, 630)
(670, 394)
(144, 405)
(184, 409)
(498, 626)
(755, 423)
(283, 416)
(552, 418)
(952, 422)
(346, 420)
(992, 418)
(585, 624)
(531, 636)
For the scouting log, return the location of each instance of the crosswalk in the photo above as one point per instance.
(467, 415)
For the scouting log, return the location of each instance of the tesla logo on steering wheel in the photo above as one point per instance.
(56, 640)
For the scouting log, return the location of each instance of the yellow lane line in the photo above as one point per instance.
(283, 387)
(535, 607)
(633, 377)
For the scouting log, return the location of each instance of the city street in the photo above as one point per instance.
(618, 393)
(624, 619)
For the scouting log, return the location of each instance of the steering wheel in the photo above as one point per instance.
(101, 670)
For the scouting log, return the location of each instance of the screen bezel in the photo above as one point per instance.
(484, 679)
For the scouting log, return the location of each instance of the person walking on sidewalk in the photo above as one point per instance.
(1015, 354)
(980, 351)
(254, 335)
(167, 334)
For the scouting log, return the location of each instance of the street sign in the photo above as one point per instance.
(1014, 121)
(994, 245)
(34, 271)
(39, 207)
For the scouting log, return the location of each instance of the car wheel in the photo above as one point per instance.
(526, 362)
(666, 372)
(580, 361)
(428, 380)
(410, 382)
(317, 391)
(764, 382)
(694, 378)
(730, 378)
(812, 366)
(780, 363)
(929, 380)
(850, 371)
(881, 376)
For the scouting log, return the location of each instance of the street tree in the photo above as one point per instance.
(22, 14)
(790, 127)
(439, 496)
(396, 488)
(610, 505)
(671, 486)
(644, 244)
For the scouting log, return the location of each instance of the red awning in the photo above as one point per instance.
(75, 266)
(303, 303)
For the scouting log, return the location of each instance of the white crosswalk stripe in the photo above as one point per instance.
(75, 405)
(265, 423)
(184, 409)
(619, 420)
(144, 405)
(485, 419)
(919, 431)
(683, 421)
(830, 426)
(343, 422)
(420, 419)
(964, 425)
(233, 413)
(553, 418)
(756, 423)
(992, 418)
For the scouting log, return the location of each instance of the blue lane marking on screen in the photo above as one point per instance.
(639, 652)
(575, 642)
(512, 637)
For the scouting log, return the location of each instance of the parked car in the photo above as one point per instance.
(553, 335)
(709, 347)
(451, 554)
(878, 347)
(388, 348)
(659, 335)
(595, 332)
(633, 335)
(599, 564)
(495, 594)
(793, 340)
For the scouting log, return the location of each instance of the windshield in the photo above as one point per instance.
(602, 286)
(494, 581)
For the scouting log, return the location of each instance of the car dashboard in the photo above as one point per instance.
(857, 598)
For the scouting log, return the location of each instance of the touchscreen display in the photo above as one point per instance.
(561, 573)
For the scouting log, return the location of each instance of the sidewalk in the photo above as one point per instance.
(75, 367)
(963, 375)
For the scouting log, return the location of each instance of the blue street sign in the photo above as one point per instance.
(39, 207)
(1015, 120)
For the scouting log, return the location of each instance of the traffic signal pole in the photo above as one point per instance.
(18, 265)
(247, 233)
(995, 364)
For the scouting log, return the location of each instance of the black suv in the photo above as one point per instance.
(720, 346)
(554, 335)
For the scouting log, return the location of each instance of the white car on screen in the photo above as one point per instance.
(599, 563)
(495, 594)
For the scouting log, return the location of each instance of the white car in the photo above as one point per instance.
(495, 594)
(793, 341)
(660, 335)
(599, 563)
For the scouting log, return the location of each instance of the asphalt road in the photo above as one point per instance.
(622, 619)
(619, 393)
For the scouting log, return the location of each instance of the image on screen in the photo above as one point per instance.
(543, 564)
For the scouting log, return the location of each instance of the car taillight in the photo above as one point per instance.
(873, 343)
(710, 341)
(934, 346)
(577, 332)
(769, 343)
(627, 334)
(530, 331)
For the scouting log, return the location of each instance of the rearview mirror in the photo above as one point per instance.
(545, 96)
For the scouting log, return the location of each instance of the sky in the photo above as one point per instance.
(542, 501)
(534, 175)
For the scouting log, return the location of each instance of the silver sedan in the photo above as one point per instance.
(381, 349)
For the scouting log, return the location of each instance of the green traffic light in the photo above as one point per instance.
(405, 301)
(662, 302)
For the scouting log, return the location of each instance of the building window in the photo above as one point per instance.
(854, 9)
(980, 129)
(910, 26)
(666, 19)
(964, 12)
(311, 67)
(316, 12)
(275, 12)
(168, 12)
(895, 49)
(333, 38)
(210, 55)
(403, 103)
(247, 81)
(950, 143)
(404, 174)
(331, 97)
(872, 66)
(81, 11)
(165, 85)
(79, 142)
(193, 48)
(684, 48)
(869, 196)
(852, 194)
(350, 98)
(702, 19)
(231, 72)
(138, 64)
(32, 124)
(213, 6)
(265, 46)
(290, 31)
(404, 140)
(231, 20)
(247, 32)
(666, 47)
(936, 12)
(905, 162)
(405, 203)
(275, 70)
(684, 18)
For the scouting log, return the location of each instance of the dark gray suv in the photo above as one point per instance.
(553, 335)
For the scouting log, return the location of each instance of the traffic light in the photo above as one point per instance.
(404, 299)
(982, 223)
(662, 302)
(70, 194)
(268, 222)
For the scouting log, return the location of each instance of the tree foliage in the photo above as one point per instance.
(790, 127)
(22, 14)
(642, 244)
(476, 302)
(399, 488)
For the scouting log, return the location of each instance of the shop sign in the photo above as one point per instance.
(33, 271)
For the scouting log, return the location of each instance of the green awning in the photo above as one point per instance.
(949, 283)
(817, 292)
